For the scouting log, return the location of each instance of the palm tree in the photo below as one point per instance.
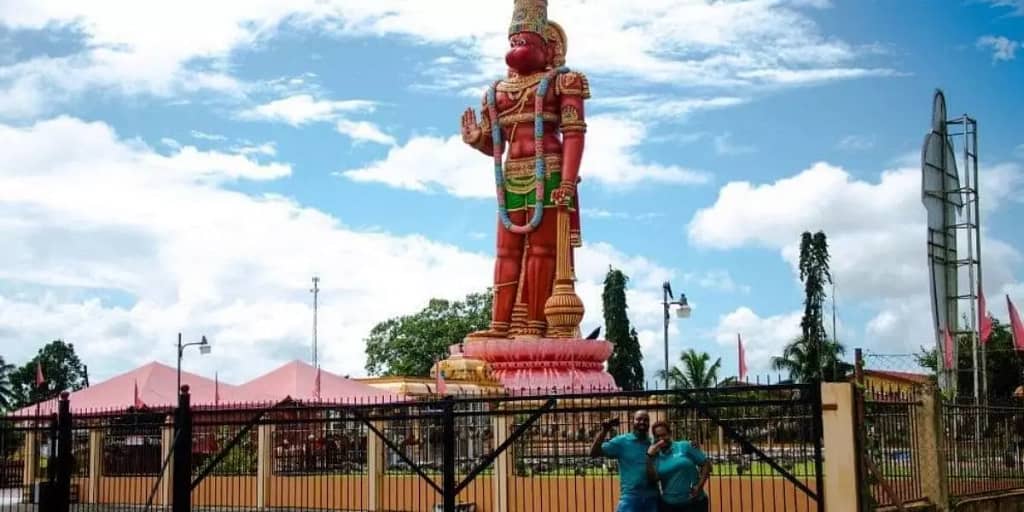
(695, 373)
(7, 396)
(797, 360)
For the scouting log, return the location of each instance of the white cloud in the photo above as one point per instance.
(267, 149)
(599, 213)
(876, 236)
(156, 246)
(1016, 6)
(364, 131)
(646, 106)
(718, 280)
(169, 142)
(1002, 48)
(725, 146)
(301, 109)
(427, 163)
(856, 143)
(763, 337)
(214, 137)
(138, 49)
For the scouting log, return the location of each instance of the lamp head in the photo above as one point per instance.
(204, 346)
(683, 311)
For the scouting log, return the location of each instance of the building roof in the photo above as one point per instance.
(911, 378)
(155, 384)
(298, 380)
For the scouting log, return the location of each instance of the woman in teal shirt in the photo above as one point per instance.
(681, 468)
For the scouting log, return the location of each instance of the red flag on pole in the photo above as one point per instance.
(40, 380)
(742, 357)
(948, 350)
(316, 384)
(138, 399)
(1016, 325)
(984, 320)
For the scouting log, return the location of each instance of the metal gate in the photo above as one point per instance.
(471, 454)
(36, 461)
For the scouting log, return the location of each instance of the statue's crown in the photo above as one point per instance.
(529, 16)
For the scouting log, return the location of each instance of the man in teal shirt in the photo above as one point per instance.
(637, 492)
(682, 469)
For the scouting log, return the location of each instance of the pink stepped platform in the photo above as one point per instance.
(545, 365)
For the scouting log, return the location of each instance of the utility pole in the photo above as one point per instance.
(316, 292)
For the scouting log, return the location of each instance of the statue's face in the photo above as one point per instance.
(528, 53)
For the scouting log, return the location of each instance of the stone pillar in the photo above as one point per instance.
(28, 476)
(375, 451)
(95, 465)
(503, 474)
(264, 463)
(837, 415)
(166, 446)
(931, 451)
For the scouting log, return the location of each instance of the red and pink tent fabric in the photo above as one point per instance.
(151, 386)
(303, 382)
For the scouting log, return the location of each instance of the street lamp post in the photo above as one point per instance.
(683, 311)
(204, 348)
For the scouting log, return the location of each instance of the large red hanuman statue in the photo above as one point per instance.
(537, 112)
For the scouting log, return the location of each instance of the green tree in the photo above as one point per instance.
(8, 398)
(814, 273)
(1003, 366)
(625, 363)
(799, 360)
(409, 345)
(62, 371)
(697, 371)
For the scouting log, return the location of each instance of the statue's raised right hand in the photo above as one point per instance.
(471, 131)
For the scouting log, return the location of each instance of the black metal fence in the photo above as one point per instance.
(481, 454)
(890, 446)
(984, 446)
(968, 448)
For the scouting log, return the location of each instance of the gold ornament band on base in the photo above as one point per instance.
(564, 309)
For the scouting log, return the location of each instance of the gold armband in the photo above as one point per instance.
(573, 83)
(571, 121)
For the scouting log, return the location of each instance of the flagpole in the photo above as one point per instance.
(835, 335)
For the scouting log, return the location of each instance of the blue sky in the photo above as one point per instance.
(189, 167)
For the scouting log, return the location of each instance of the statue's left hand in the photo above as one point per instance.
(564, 193)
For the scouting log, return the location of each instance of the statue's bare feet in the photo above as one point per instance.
(497, 330)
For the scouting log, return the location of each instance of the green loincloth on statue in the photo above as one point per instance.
(520, 192)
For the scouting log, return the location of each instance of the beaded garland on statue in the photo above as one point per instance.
(499, 150)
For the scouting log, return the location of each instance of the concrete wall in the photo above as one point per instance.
(1006, 502)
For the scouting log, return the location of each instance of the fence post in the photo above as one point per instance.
(31, 464)
(837, 419)
(500, 427)
(931, 450)
(448, 453)
(182, 472)
(166, 449)
(859, 430)
(95, 464)
(264, 463)
(375, 451)
(63, 459)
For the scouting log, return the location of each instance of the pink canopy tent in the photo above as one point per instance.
(153, 385)
(303, 382)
